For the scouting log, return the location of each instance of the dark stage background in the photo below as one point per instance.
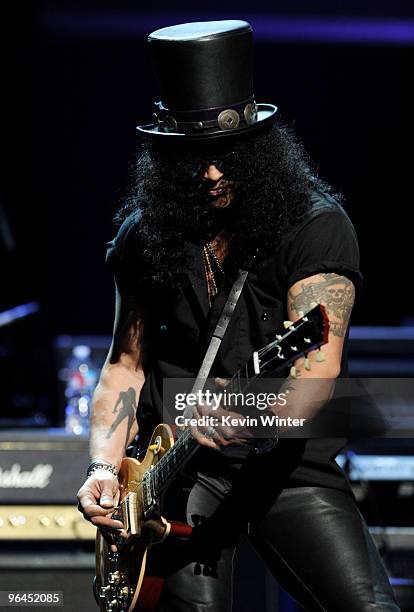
(77, 79)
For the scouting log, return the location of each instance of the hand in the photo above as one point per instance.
(98, 497)
(220, 434)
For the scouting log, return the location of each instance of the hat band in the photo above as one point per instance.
(223, 118)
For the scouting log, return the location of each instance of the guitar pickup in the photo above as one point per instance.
(131, 509)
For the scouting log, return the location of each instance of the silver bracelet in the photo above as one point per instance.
(101, 465)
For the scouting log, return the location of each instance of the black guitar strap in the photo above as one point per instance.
(220, 330)
(257, 445)
(215, 342)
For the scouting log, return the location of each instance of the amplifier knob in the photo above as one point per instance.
(1, 522)
(44, 520)
(15, 521)
(60, 521)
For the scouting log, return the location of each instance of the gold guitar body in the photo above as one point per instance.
(120, 582)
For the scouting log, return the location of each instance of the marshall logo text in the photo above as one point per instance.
(16, 478)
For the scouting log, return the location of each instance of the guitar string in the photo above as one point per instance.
(162, 470)
(181, 449)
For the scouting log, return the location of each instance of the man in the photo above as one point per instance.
(221, 185)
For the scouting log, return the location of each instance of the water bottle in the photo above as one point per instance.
(80, 377)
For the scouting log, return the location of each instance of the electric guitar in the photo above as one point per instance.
(120, 582)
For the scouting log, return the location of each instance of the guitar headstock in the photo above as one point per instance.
(302, 336)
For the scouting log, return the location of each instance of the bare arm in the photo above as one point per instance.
(113, 422)
(337, 294)
(305, 399)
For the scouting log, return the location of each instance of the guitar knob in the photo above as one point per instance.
(114, 578)
(124, 592)
(104, 591)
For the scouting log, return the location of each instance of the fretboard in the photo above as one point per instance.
(186, 445)
(306, 334)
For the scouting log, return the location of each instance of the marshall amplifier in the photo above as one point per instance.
(41, 466)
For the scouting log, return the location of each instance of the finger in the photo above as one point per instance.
(112, 533)
(109, 539)
(105, 521)
(95, 510)
(107, 495)
(210, 436)
(89, 507)
(204, 409)
(232, 436)
(221, 382)
(202, 439)
(190, 412)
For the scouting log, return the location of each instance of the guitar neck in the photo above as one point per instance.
(186, 445)
(306, 334)
(242, 378)
(173, 461)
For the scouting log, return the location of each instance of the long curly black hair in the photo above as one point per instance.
(274, 178)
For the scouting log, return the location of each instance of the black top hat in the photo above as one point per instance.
(205, 75)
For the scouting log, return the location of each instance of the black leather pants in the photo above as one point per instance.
(313, 540)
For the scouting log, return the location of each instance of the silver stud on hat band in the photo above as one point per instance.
(228, 119)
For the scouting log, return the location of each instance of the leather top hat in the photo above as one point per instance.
(204, 71)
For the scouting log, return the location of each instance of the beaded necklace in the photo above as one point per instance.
(211, 267)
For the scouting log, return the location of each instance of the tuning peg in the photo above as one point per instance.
(278, 336)
(294, 349)
(320, 356)
(301, 313)
(307, 340)
(307, 364)
(293, 372)
(287, 324)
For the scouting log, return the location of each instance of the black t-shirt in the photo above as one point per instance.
(180, 325)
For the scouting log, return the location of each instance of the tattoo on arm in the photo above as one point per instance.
(125, 408)
(335, 292)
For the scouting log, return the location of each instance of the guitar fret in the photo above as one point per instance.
(168, 464)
